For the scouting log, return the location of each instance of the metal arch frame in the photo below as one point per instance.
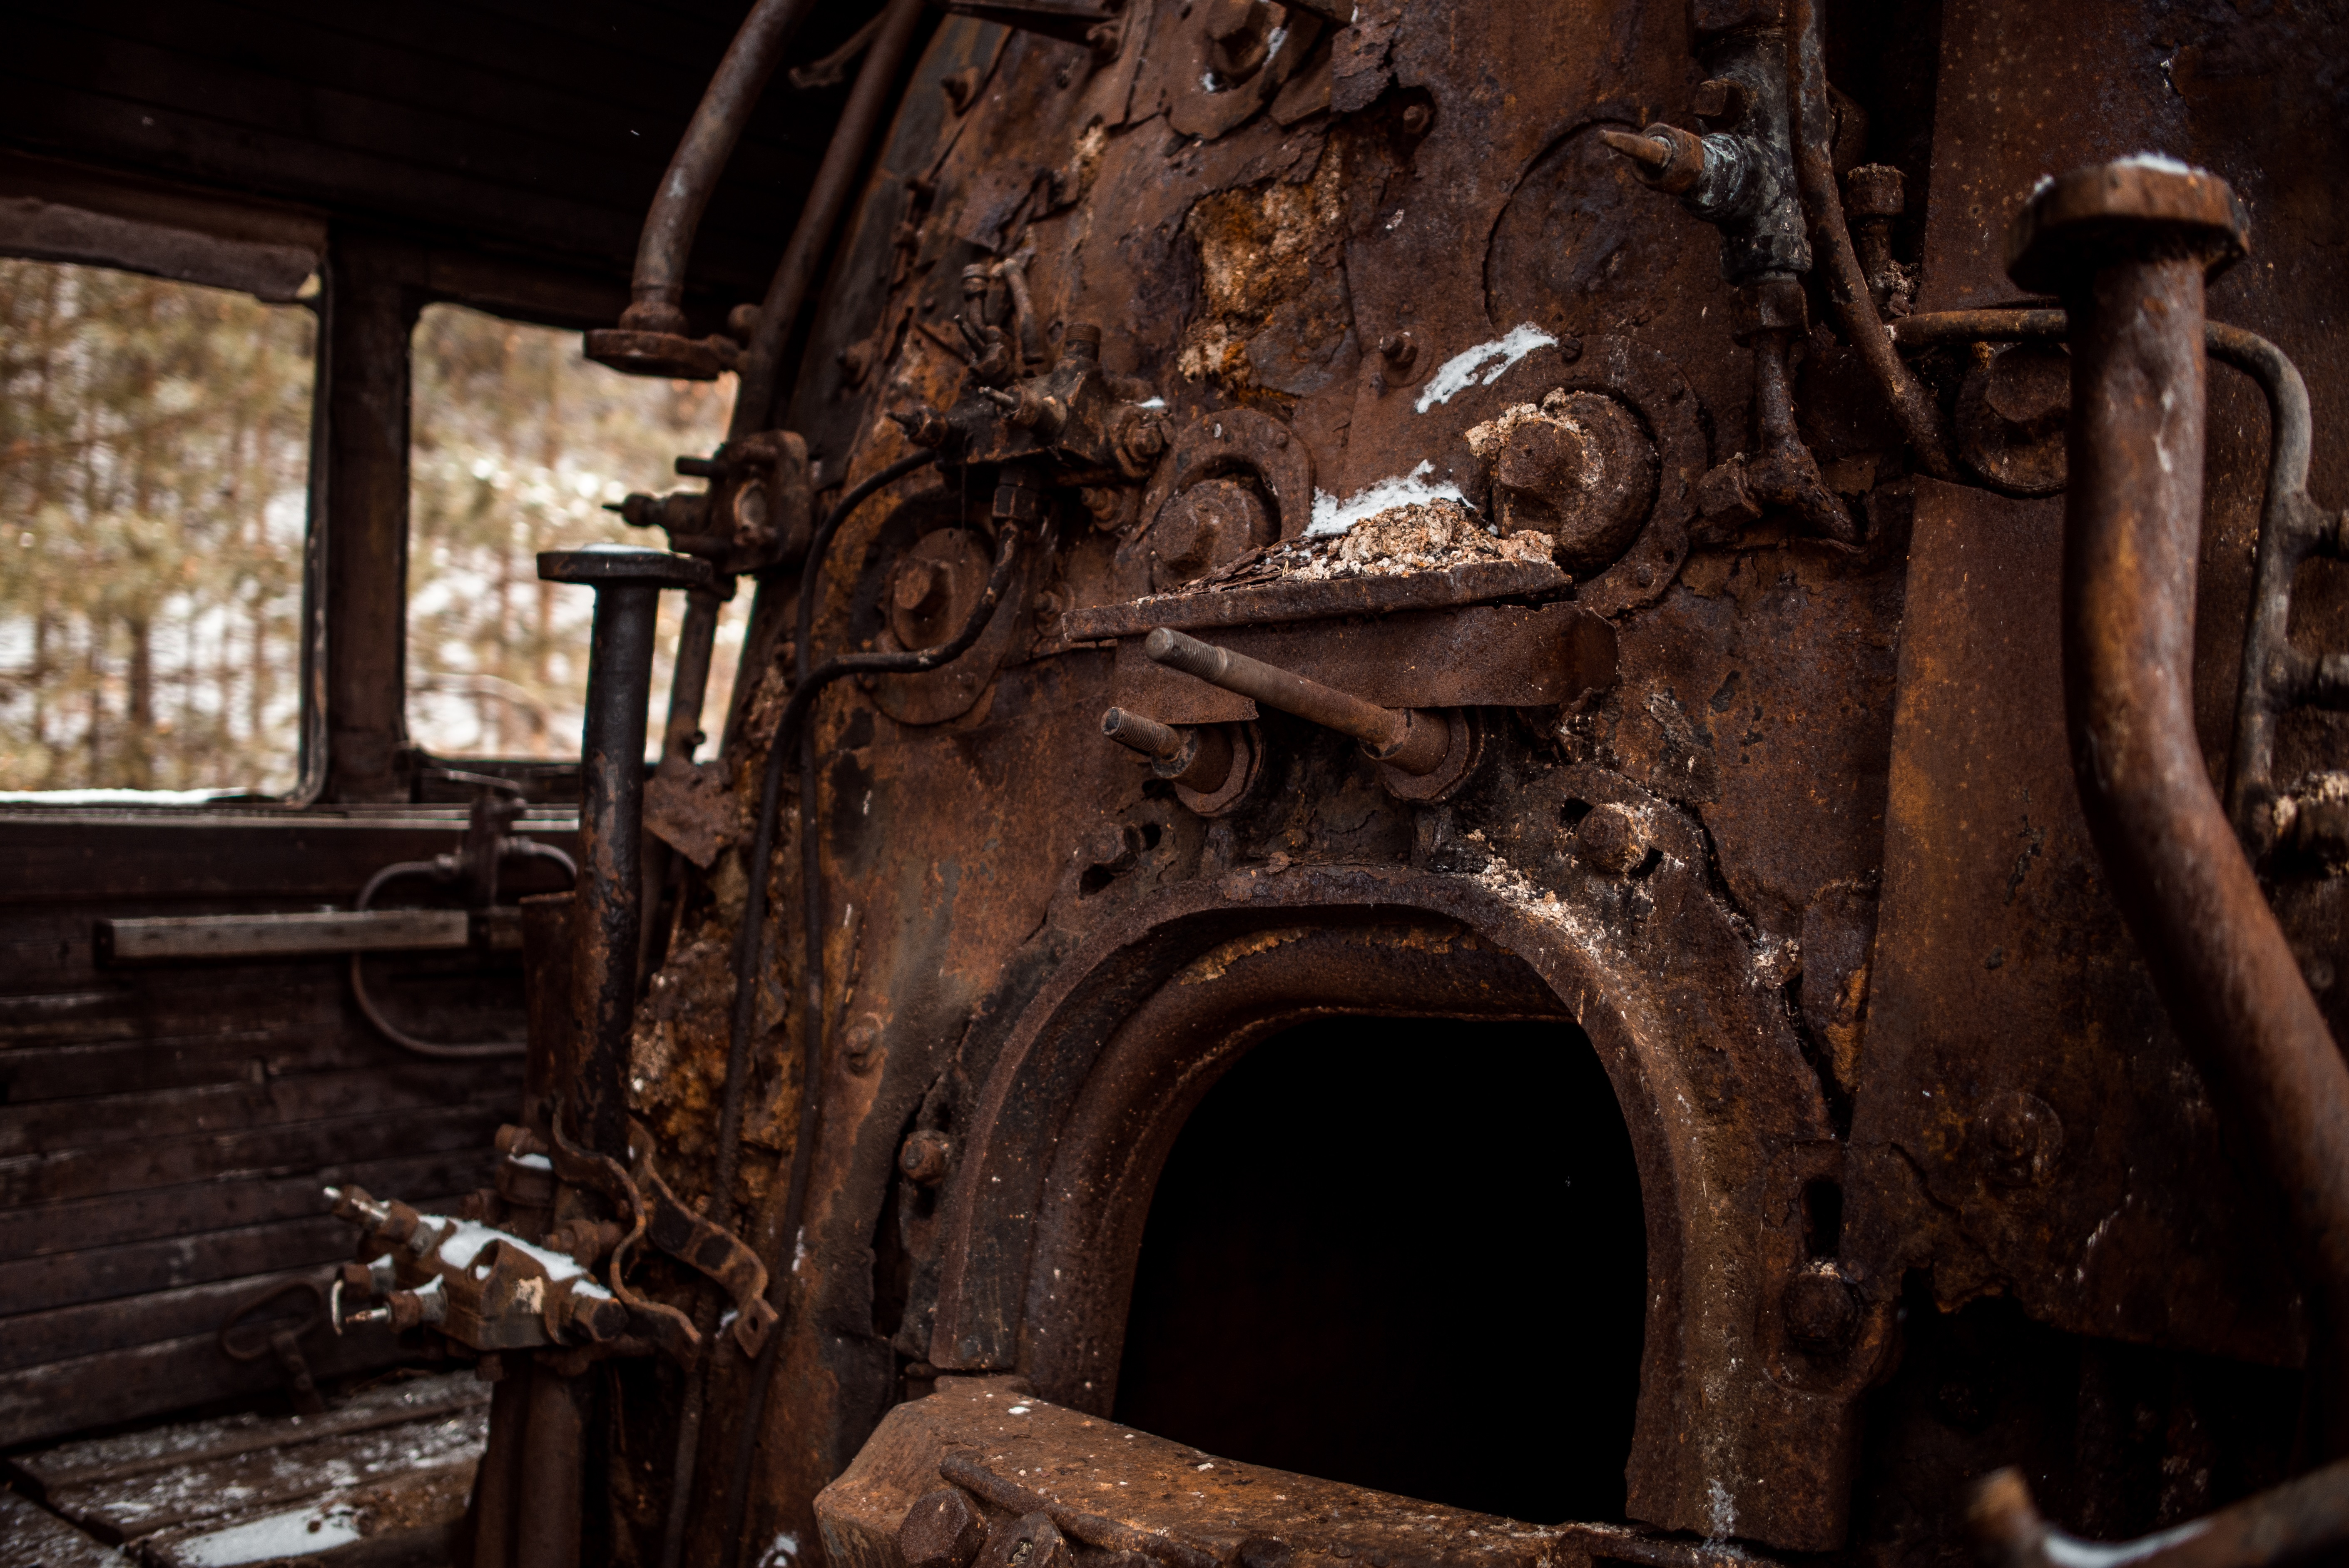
(1088, 1086)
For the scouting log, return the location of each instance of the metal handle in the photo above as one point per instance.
(1405, 739)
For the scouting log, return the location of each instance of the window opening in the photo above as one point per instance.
(1405, 1253)
(518, 443)
(154, 479)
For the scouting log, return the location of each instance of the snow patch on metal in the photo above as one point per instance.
(1463, 371)
(1332, 516)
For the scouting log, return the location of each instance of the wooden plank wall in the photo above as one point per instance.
(165, 1131)
(511, 125)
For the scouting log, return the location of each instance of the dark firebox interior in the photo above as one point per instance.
(1365, 1244)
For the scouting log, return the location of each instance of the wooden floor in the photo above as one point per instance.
(375, 1481)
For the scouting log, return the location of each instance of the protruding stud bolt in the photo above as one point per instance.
(1610, 838)
(1821, 1308)
(923, 1158)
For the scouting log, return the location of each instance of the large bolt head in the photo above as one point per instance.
(2140, 208)
(934, 589)
(942, 1530)
(1542, 456)
(1610, 838)
(2011, 416)
(1580, 470)
(921, 587)
(1203, 527)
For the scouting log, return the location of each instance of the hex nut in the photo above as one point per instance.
(1113, 847)
(923, 1158)
(933, 589)
(942, 1530)
(2137, 208)
(1724, 499)
(1032, 1541)
(598, 1318)
(1609, 838)
(1721, 99)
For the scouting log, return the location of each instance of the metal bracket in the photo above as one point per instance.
(715, 1251)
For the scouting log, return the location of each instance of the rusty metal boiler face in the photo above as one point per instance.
(1501, 534)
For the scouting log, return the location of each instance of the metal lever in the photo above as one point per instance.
(610, 913)
(1412, 741)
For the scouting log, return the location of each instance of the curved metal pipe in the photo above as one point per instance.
(2133, 536)
(877, 80)
(658, 289)
(2291, 530)
(1806, 84)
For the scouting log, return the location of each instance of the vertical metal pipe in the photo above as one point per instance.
(498, 1480)
(611, 814)
(2128, 245)
(553, 1473)
(608, 914)
(872, 96)
(696, 640)
(1806, 82)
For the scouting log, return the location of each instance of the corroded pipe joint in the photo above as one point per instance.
(1665, 156)
(1426, 740)
(2143, 209)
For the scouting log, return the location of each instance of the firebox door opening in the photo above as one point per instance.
(1406, 1253)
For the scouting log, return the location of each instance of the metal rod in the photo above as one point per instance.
(2288, 1523)
(2291, 528)
(1411, 741)
(548, 1515)
(610, 910)
(876, 82)
(1807, 83)
(2133, 285)
(658, 287)
(1148, 736)
(689, 682)
(1382, 729)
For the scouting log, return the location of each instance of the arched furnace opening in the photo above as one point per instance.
(1364, 1243)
